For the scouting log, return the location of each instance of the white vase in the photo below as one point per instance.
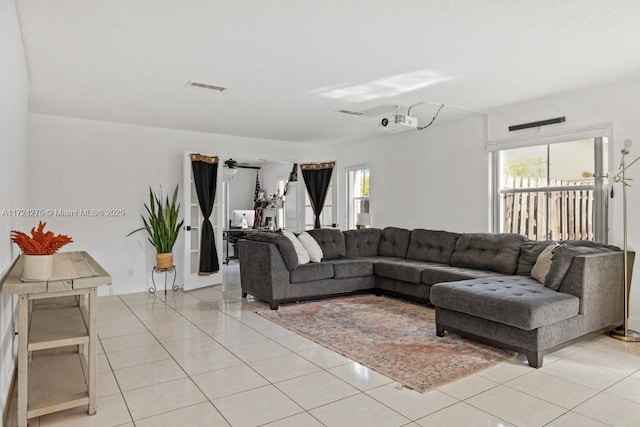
(38, 267)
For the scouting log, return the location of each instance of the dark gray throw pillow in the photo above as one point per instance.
(562, 259)
(529, 253)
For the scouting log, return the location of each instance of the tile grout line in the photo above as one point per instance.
(180, 366)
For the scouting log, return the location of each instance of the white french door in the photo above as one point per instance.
(192, 222)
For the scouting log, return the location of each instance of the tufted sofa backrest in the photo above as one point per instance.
(284, 245)
(331, 240)
(485, 251)
(394, 242)
(363, 242)
(432, 246)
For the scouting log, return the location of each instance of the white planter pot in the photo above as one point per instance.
(37, 267)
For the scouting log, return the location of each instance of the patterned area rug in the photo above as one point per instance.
(395, 337)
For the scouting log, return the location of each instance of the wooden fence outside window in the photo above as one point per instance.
(524, 208)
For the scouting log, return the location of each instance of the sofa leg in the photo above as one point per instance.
(535, 359)
(244, 294)
(439, 330)
(274, 305)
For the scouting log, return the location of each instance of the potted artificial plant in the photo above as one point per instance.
(37, 251)
(162, 226)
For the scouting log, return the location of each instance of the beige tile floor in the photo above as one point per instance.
(204, 358)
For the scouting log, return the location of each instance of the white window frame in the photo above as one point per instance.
(602, 220)
(350, 219)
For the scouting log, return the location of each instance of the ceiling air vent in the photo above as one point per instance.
(205, 86)
(351, 113)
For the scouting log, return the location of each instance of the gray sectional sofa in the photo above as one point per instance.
(478, 282)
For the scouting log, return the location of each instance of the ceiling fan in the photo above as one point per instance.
(231, 166)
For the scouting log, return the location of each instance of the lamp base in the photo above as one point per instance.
(631, 336)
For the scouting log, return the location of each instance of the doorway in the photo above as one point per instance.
(239, 194)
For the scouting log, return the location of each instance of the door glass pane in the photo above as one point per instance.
(195, 239)
(540, 206)
(194, 195)
(523, 167)
(195, 216)
(568, 160)
(195, 263)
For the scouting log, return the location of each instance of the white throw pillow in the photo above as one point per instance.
(543, 263)
(303, 255)
(312, 247)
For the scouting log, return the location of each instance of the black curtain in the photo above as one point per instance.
(317, 178)
(205, 177)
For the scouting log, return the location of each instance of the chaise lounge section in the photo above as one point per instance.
(479, 283)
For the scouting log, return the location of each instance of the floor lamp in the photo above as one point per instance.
(625, 334)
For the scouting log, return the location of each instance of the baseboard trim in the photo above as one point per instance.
(634, 323)
(12, 388)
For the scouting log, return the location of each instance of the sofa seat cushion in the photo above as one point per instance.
(331, 240)
(400, 269)
(432, 246)
(347, 268)
(486, 251)
(438, 273)
(363, 242)
(512, 300)
(311, 272)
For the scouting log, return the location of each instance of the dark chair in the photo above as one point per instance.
(233, 237)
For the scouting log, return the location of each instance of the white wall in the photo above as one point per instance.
(14, 91)
(242, 187)
(77, 163)
(436, 178)
(615, 105)
(271, 172)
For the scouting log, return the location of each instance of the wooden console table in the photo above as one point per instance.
(57, 335)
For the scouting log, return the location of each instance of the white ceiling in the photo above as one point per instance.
(289, 65)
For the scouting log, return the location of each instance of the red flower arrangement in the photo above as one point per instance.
(41, 243)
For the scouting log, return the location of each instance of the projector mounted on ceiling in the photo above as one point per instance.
(398, 123)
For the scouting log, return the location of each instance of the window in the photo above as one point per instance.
(357, 195)
(280, 184)
(543, 193)
(326, 217)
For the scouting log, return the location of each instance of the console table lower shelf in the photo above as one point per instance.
(57, 382)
